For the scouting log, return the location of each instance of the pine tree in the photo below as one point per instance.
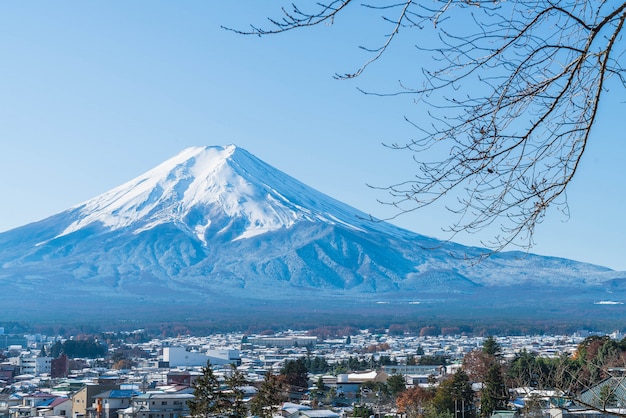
(271, 393)
(455, 396)
(396, 384)
(494, 394)
(235, 382)
(295, 373)
(491, 347)
(209, 399)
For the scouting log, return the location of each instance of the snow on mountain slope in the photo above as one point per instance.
(186, 188)
(216, 221)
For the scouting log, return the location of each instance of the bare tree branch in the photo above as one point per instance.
(514, 88)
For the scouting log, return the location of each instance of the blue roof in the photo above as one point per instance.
(47, 402)
(119, 394)
(124, 393)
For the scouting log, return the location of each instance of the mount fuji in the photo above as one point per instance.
(216, 229)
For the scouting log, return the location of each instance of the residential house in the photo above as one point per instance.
(609, 393)
(109, 402)
(294, 410)
(158, 405)
(4, 405)
(7, 372)
(181, 378)
(31, 404)
(60, 406)
(82, 399)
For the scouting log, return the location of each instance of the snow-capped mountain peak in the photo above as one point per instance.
(201, 185)
(216, 224)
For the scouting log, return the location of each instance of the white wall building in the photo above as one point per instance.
(35, 365)
(292, 341)
(180, 357)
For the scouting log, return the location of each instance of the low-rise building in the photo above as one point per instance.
(109, 402)
(158, 405)
(35, 365)
(180, 357)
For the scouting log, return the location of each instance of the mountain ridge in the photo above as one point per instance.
(216, 223)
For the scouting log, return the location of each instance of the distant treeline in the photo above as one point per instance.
(87, 348)
(324, 326)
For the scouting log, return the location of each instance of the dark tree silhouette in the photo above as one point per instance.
(295, 373)
(271, 393)
(213, 399)
(494, 395)
(209, 399)
(491, 347)
(513, 89)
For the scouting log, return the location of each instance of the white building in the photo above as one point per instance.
(291, 341)
(35, 365)
(180, 357)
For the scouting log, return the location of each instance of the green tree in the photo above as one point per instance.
(320, 389)
(362, 411)
(494, 394)
(270, 394)
(435, 360)
(317, 364)
(209, 399)
(431, 412)
(295, 373)
(56, 349)
(396, 384)
(607, 397)
(455, 395)
(528, 370)
(235, 382)
(491, 347)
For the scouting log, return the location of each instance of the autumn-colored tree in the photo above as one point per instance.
(476, 363)
(412, 402)
(122, 364)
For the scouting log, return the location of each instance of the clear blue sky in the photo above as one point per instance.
(94, 93)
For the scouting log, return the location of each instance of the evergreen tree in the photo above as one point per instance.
(209, 399)
(494, 394)
(396, 384)
(320, 389)
(491, 346)
(235, 382)
(462, 395)
(271, 393)
(455, 396)
(295, 373)
(56, 349)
